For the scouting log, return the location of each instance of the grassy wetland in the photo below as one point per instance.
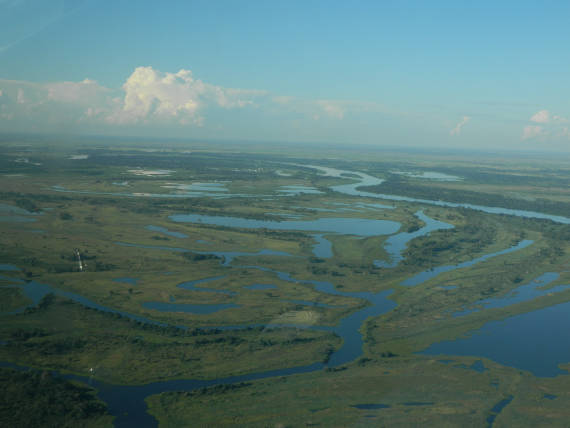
(103, 279)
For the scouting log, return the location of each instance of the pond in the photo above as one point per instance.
(345, 226)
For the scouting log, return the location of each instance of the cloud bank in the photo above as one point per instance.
(545, 126)
(150, 97)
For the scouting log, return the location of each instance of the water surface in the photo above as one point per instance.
(345, 226)
(368, 180)
(524, 293)
(323, 247)
(536, 341)
(431, 273)
(165, 231)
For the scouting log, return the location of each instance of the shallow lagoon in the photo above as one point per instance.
(536, 341)
(524, 293)
(345, 226)
(130, 399)
(165, 231)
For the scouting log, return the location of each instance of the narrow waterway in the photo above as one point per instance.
(365, 180)
(127, 402)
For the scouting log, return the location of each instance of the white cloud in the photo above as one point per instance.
(84, 92)
(148, 96)
(152, 94)
(550, 127)
(532, 131)
(459, 126)
(152, 97)
(542, 116)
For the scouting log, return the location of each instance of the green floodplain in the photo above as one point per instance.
(94, 201)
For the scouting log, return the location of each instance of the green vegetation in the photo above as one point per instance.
(102, 209)
(66, 336)
(12, 299)
(418, 391)
(33, 399)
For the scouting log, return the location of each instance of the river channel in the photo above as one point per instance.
(127, 403)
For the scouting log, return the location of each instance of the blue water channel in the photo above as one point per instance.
(344, 226)
(127, 403)
(165, 231)
(524, 293)
(432, 273)
(394, 246)
(364, 180)
(536, 341)
(323, 247)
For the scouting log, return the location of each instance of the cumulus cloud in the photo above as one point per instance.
(459, 126)
(85, 92)
(153, 97)
(532, 131)
(152, 94)
(147, 96)
(544, 116)
(551, 127)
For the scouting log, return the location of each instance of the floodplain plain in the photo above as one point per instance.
(140, 271)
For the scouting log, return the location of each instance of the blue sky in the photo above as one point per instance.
(427, 74)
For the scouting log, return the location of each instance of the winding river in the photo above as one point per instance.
(127, 403)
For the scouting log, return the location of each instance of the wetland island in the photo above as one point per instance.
(221, 287)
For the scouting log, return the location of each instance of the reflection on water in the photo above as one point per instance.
(197, 187)
(429, 175)
(345, 226)
(165, 231)
(536, 341)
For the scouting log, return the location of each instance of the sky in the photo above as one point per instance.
(476, 75)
